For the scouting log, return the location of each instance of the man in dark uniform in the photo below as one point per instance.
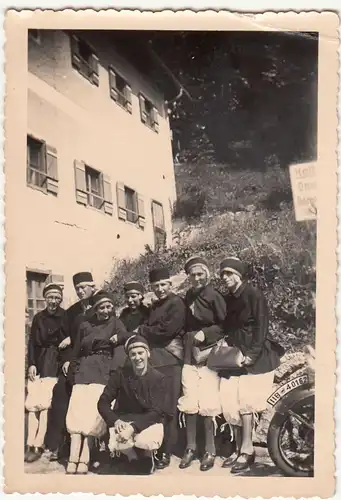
(164, 330)
(75, 315)
(136, 422)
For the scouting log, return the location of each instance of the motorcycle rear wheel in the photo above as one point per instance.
(275, 441)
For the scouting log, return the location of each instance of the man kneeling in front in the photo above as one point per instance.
(136, 419)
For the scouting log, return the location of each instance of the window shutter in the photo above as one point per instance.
(80, 183)
(51, 169)
(112, 83)
(128, 94)
(121, 202)
(156, 119)
(107, 194)
(143, 108)
(95, 70)
(75, 57)
(140, 211)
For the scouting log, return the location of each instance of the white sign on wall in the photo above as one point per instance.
(304, 190)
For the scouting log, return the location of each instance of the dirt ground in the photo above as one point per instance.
(263, 466)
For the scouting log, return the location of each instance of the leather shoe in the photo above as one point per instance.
(230, 460)
(207, 462)
(162, 461)
(187, 459)
(54, 456)
(243, 462)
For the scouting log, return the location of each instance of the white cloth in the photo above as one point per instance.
(39, 393)
(245, 394)
(82, 416)
(200, 387)
(149, 439)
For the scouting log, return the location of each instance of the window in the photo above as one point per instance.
(35, 282)
(149, 114)
(158, 225)
(42, 168)
(130, 205)
(84, 60)
(93, 188)
(34, 35)
(120, 91)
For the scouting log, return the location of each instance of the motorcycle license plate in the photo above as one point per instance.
(284, 389)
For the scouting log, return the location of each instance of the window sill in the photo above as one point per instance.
(37, 188)
(133, 224)
(84, 76)
(94, 209)
(150, 127)
(130, 112)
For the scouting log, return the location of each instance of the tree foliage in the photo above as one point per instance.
(253, 95)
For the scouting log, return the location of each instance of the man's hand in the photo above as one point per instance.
(126, 433)
(65, 368)
(32, 373)
(114, 339)
(199, 337)
(120, 425)
(247, 361)
(65, 343)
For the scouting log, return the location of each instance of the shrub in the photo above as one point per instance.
(281, 257)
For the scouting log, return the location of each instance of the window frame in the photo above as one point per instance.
(116, 94)
(91, 196)
(30, 169)
(153, 122)
(158, 230)
(77, 61)
(35, 298)
(49, 172)
(135, 212)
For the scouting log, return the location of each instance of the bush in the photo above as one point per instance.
(281, 257)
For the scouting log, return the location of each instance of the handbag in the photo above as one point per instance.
(224, 357)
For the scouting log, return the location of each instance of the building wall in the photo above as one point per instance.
(83, 123)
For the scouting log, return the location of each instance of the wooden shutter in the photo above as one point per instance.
(121, 201)
(128, 94)
(80, 183)
(51, 169)
(143, 108)
(155, 119)
(107, 194)
(112, 83)
(75, 57)
(141, 211)
(95, 70)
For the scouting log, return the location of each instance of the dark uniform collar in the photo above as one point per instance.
(239, 290)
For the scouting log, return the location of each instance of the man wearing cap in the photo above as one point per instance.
(164, 330)
(44, 366)
(82, 309)
(244, 392)
(136, 422)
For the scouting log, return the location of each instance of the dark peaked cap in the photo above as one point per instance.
(82, 277)
(158, 274)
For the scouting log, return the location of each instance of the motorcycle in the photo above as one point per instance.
(290, 438)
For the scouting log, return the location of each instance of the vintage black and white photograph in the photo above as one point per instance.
(170, 241)
(182, 295)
